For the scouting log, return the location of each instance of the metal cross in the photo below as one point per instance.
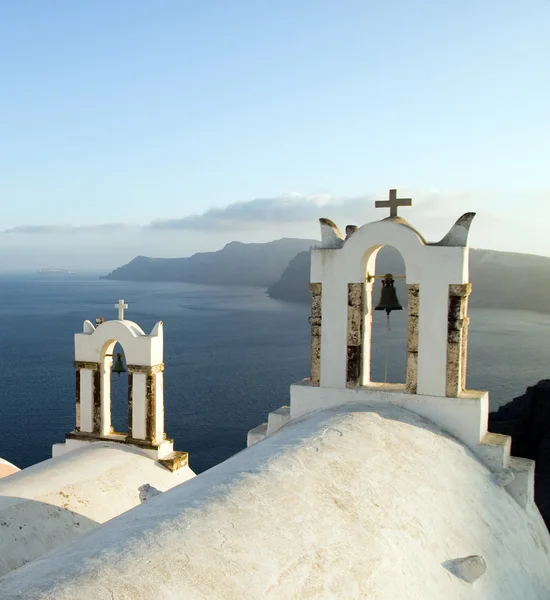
(393, 203)
(121, 306)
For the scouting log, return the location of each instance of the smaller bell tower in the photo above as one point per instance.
(93, 363)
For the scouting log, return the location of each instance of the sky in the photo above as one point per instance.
(166, 128)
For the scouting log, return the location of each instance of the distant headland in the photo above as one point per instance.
(504, 280)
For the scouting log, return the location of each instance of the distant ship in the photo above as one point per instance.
(54, 272)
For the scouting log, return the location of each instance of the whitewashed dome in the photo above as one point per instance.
(52, 502)
(350, 502)
(7, 468)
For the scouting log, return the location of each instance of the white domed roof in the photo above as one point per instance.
(7, 468)
(50, 503)
(352, 502)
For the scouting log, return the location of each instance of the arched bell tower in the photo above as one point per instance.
(437, 346)
(144, 362)
(342, 271)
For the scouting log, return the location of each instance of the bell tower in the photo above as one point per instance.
(94, 367)
(437, 278)
(342, 276)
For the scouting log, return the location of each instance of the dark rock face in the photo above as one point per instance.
(527, 420)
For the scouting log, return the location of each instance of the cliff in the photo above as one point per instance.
(505, 280)
(235, 264)
(527, 420)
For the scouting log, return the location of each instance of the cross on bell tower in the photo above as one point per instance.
(393, 203)
(121, 306)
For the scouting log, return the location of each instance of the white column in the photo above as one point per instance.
(86, 400)
(334, 334)
(105, 428)
(432, 338)
(86, 394)
(139, 413)
(159, 407)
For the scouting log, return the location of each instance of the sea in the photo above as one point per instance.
(231, 354)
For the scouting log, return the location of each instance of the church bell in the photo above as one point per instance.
(388, 296)
(118, 367)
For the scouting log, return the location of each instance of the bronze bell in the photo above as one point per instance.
(388, 296)
(118, 367)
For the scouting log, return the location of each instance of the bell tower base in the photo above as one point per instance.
(465, 417)
(163, 452)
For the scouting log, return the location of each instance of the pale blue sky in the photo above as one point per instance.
(131, 111)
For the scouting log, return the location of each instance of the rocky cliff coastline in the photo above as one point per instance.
(527, 420)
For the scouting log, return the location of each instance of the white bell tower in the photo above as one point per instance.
(144, 359)
(437, 277)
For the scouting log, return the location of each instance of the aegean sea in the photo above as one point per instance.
(231, 354)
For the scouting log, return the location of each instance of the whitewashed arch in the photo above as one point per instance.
(144, 359)
(431, 267)
(139, 348)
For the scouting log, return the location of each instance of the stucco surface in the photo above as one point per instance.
(349, 502)
(47, 505)
(7, 468)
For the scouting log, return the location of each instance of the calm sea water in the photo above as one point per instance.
(230, 356)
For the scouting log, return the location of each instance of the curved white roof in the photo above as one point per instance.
(352, 502)
(50, 503)
(7, 468)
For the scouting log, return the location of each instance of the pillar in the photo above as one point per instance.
(457, 338)
(412, 338)
(88, 397)
(354, 335)
(146, 403)
(316, 290)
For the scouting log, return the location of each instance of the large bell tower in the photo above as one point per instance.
(437, 278)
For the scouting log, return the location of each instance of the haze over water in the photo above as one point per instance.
(231, 354)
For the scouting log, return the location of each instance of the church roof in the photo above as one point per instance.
(7, 468)
(348, 502)
(54, 501)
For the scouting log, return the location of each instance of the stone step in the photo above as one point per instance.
(175, 460)
(256, 435)
(494, 450)
(277, 419)
(522, 487)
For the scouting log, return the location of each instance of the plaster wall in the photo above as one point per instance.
(86, 400)
(465, 417)
(139, 348)
(139, 406)
(7, 468)
(353, 502)
(433, 268)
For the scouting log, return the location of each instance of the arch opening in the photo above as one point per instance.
(114, 392)
(385, 337)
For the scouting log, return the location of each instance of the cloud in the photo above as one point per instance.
(287, 208)
(68, 229)
(431, 209)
